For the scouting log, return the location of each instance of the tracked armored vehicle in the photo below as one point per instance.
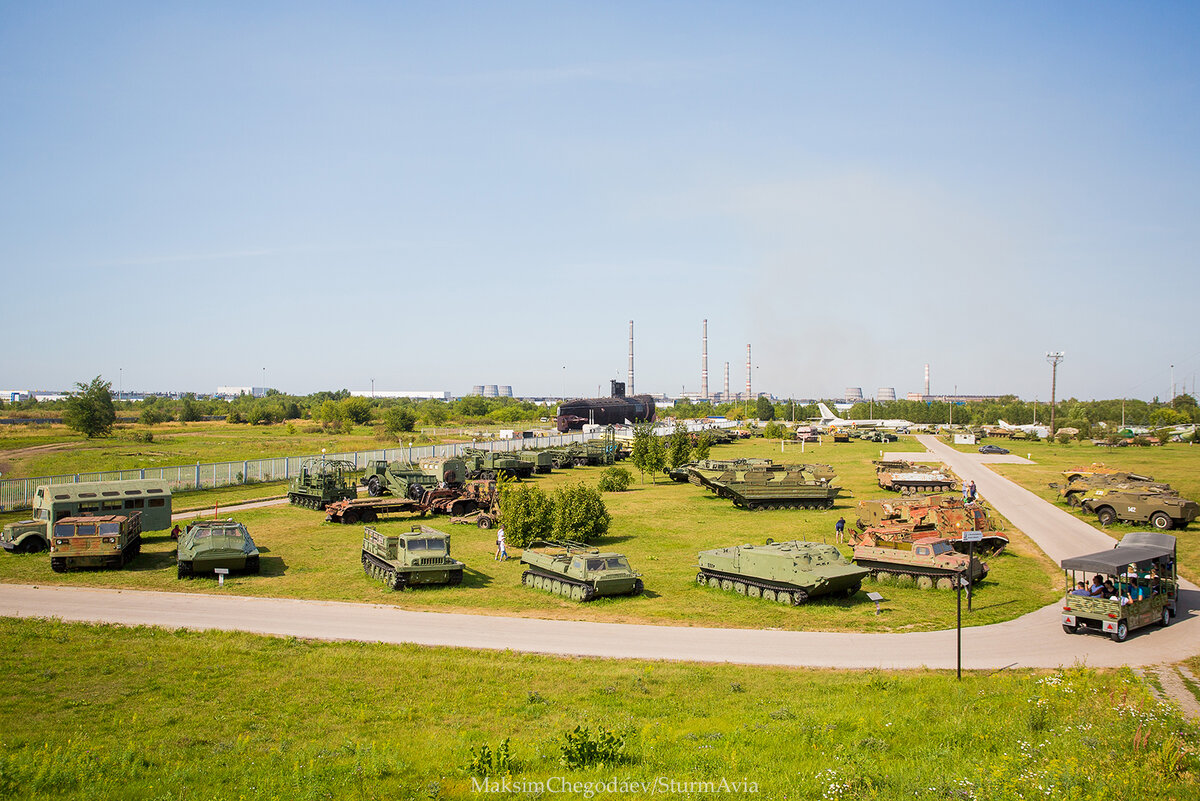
(908, 479)
(577, 571)
(930, 562)
(211, 544)
(904, 520)
(415, 558)
(321, 482)
(774, 487)
(785, 572)
(95, 541)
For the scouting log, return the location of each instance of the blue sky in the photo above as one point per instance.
(437, 195)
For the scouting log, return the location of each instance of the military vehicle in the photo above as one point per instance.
(786, 572)
(95, 541)
(1095, 469)
(209, 544)
(542, 461)
(463, 500)
(701, 472)
(908, 478)
(1079, 488)
(399, 479)
(25, 536)
(411, 559)
(904, 520)
(490, 465)
(1159, 509)
(1142, 567)
(756, 488)
(321, 482)
(450, 471)
(931, 561)
(577, 571)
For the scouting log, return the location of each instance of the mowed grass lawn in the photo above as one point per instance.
(107, 712)
(660, 526)
(1175, 463)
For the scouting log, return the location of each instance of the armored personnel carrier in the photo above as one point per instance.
(95, 541)
(909, 478)
(701, 472)
(1081, 487)
(577, 571)
(931, 561)
(415, 558)
(786, 572)
(1162, 510)
(321, 482)
(209, 544)
(774, 487)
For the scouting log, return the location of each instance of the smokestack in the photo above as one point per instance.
(747, 371)
(704, 362)
(725, 397)
(630, 391)
(927, 378)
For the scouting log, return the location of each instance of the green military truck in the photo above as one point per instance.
(1142, 570)
(415, 558)
(149, 498)
(1162, 510)
(95, 541)
(25, 536)
(400, 479)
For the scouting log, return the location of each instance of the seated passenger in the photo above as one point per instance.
(1097, 588)
(1110, 591)
(1081, 589)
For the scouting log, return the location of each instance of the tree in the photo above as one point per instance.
(357, 410)
(527, 513)
(648, 453)
(399, 418)
(330, 414)
(766, 409)
(579, 514)
(703, 446)
(90, 409)
(435, 412)
(679, 446)
(773, 430)
(188, 410)
(614, 479)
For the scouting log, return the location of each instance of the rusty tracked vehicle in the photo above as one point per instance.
(908, 478)
(930, 562)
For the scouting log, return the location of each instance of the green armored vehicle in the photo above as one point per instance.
(25, 536)
(401, 479)
(774, 487)
(321, 482)
(1081, 488)
(449, 471)
(1161, 510)
(1145, 586)
(490, 465)
(908, 478)
(209, 544)
(701, 472)
(560, 458)
(577, 571)
(415, 558)
(95, 541)
(930, 561)
(786, 572)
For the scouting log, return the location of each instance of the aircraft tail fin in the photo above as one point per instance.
(826, 413)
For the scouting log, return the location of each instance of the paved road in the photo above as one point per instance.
(1034, 640)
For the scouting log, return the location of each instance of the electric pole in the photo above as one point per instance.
(1054, 357)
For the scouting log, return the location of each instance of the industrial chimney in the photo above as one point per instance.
(631, 392)
(704, 362)
(725, 397)
(747, 371)
(926, 379)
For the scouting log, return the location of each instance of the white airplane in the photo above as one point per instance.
(829, 419)
(1034, 428)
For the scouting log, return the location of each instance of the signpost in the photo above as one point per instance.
(221, 572)
(876, 597)
(959, 584)
(971, 537)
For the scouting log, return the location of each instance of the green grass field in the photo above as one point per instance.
(660, 526)
(111, 713)
(1177, 464)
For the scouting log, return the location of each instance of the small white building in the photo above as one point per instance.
(229, 393)
(418, 394)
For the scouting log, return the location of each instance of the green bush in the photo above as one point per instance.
(582, 748)
(488, 762)
(615, 479)
(775, 430)
(579, 514)
(527, 512)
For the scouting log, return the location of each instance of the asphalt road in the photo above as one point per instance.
(1034, 640)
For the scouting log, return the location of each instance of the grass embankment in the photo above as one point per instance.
(661, 527)
(1176, 464)
(109, 712)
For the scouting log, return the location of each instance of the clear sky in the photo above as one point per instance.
(437, 195)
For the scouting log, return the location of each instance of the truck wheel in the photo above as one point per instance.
(32, 545)
(484, 522)
(1121, 633)
(1106, 515)
(373, 487)
(1161, 521)
(1165, 620)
